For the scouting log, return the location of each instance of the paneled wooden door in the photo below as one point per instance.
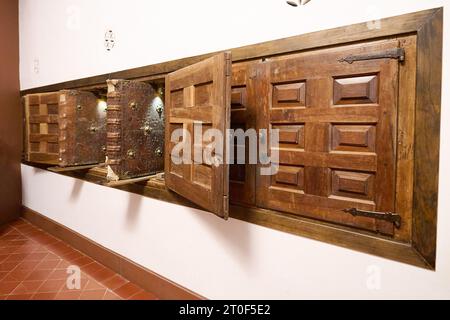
(337, 134)
(199, 96)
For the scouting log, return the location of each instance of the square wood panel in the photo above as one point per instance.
(238, 97)
(356, 185)
(291, 136)
(356, 90)
(290, 177)
(353, 137)
(289, 95)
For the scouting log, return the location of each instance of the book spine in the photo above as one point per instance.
(114, 131)
(63, 123)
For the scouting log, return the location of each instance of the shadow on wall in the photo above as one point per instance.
(234, 237)
(37, 171)
(76, 190)
(134, 205)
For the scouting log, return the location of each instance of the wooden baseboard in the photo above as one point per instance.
(147, 279)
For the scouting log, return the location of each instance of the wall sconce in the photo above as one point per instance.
(296, 3)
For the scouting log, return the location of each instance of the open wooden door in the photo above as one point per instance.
(199, 96)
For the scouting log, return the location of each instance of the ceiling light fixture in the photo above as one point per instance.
(296, 3)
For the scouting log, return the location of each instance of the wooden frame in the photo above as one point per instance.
(426, 26)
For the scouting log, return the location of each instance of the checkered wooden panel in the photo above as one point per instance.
(41, 128)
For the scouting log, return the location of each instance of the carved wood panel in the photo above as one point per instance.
(41, 127)
(199, 96)
(337, 135)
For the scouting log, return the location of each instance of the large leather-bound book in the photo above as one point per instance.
(82, 128)
(135, 130)
(65, 128)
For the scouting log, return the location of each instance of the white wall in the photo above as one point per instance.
(215, 258)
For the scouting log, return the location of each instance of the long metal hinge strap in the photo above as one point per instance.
(387, 216)
(397, 53)
(228, 64)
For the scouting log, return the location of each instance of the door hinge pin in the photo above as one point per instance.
(225, 204)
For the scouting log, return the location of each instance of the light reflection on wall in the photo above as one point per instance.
(101, 108)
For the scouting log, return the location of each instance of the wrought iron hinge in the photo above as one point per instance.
(228, 64)
(387, 216)
(225, 204)
(397, 53)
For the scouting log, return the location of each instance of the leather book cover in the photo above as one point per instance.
(82, 128)
(135, 130)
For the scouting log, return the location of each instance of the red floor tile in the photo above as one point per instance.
(58, 274)
(39, 275)
(93, 285)
(35, 265)
(128, 290)
(44, 296)
(103, 274)
(27, 287)
(19, 297)
(143, 295)
(115, 282)
(51, 286)
(82, 261)
(93, 295)
(3, 274)
(6, 287)
(111, 296)
(47, 264)
(17, 275)
(68, 295)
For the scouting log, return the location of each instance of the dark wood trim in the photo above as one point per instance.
(147, 279)
(403, 24)
(11, 112)
(426, 26)
(342, 236)
(427, 135)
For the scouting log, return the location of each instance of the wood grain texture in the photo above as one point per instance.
(313, 229)
(199, 97)
(244, 109)
(405, 138)
(341, 236)
(41, 125)
(11, 112)
(426, 137)
(403, 24)
(346, 162)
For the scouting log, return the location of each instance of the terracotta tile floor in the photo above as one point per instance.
(35, 265)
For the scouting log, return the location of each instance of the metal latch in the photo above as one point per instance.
(397, 53)
(387, 216)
